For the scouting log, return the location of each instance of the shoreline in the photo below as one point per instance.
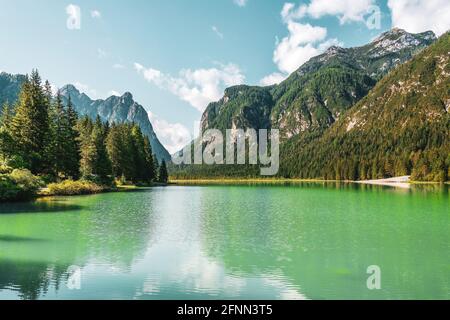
(400, 182)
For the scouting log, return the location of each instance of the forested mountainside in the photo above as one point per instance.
(321, 90)
(401, 127)
(114, 109)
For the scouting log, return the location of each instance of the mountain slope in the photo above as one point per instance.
(118, 110)
(315, 96)
(10, 87)
(401, 127)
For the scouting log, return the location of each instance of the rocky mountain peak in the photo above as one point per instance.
(70, 89)
(127, 98)
(397, 40)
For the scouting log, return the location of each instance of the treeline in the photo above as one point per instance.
(420, 151)
(41, 134)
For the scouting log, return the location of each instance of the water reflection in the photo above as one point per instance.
(323, 242)
(268, 242)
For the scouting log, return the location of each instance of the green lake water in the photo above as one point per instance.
(306, 241)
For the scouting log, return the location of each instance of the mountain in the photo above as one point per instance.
(118, 110)
(113, 109)
(320, 91)
(10, 87)
(401, 127)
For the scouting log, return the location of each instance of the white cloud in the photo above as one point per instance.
(174, 136)
(96, 14)
(345, 10)
(273, 78)
(299, 46)
(217, 32)
(74, 17)
(303, 42)
(118, 66)
(421, 15)
(197, 87)
(241, 3)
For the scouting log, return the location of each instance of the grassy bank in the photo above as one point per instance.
(74, 188)
(71, 188)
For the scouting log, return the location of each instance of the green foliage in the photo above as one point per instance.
(43, 135)
(70, 188)
(19, 185)
(130, 153)
(30, 125)
(163, 175)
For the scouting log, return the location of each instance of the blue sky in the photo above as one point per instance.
(175, 56)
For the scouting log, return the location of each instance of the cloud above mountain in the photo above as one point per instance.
(345, 10)
(174, 136)
(421, 15)
(198, 87)
(303, 42)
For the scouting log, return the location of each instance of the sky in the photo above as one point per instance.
(176, 56)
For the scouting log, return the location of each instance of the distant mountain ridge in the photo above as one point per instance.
(314, 96)
(113, 109)
(116, 109)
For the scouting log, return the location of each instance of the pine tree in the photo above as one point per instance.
(72, 165)
(115, 150)
(6, 142)
(58, 145)
(6, 115)
(139, 154)
(87, 147)
(30, 125)
(102, 165)
(150, 170)
(163, 176)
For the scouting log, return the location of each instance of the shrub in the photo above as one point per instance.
(5, 169)
(70, 188)
(19, 185)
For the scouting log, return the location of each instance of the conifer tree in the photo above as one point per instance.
(87, 148)
(139, 155)
(30, 125)
(150, 170)
(102, 165)
(72, 147)
(59, 138)
(6, 141)
(163, 175)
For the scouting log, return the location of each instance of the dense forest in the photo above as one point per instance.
(402, 127)
(41, 137)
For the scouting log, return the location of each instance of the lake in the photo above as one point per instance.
(302, 241)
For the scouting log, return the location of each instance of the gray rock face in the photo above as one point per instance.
(116, 109)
